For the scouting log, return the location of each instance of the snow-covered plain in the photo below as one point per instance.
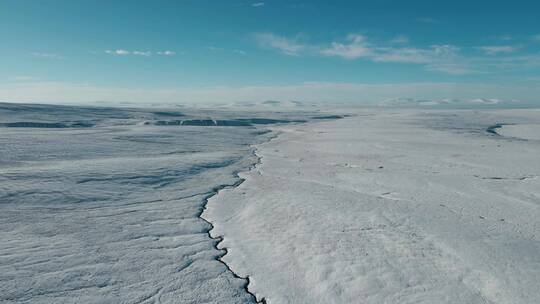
(390, 206)
(102, 205)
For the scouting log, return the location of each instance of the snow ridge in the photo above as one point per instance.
(220, 238)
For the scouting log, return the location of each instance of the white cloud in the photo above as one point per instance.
(536, 38)
(404, 55)
(241, 52)
(400, 39)
(123, 52)
(47, 55)
(166, 53)
(287, 46)
(257, 4)
(440, 58)
(142, 53)
(432, 54)
(356, 47)
(498, 49)
(118, 52)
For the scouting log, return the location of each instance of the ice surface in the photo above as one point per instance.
(396, 206)
(109, 212)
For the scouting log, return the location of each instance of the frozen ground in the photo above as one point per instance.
(101, 205)
(404, 206)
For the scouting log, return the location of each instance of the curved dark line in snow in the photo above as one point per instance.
(219, 239)
(493, 129)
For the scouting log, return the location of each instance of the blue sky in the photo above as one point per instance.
(221, 51)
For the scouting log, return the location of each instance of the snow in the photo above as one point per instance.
(103, 205)
(523, 131)
(109, 212)
(389, 206)
(447, 102)
(99, 217)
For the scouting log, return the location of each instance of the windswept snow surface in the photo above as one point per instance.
(102, 205)
(402, 206)
(523, 131)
